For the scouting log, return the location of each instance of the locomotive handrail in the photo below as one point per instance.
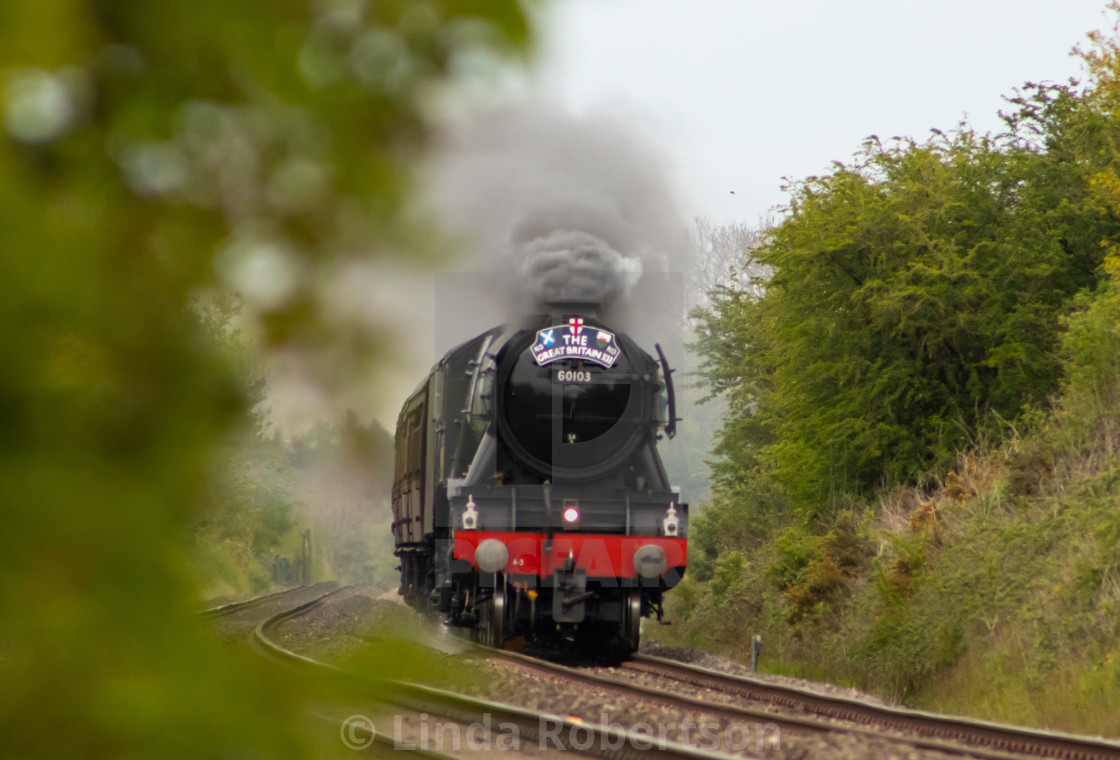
(671, 424)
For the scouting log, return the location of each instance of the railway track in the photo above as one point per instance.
(805, 711)
(682, 688)
(975, 734)
(259, 609)
(223, 610)
(541, 735)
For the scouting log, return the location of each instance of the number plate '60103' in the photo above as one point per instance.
(574, 376)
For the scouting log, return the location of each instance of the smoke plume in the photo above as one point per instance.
(558, 208)
(567, 265)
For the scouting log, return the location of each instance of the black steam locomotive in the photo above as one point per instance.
(529, 498)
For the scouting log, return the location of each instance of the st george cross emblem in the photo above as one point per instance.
(575, 324)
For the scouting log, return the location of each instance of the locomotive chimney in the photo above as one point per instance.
(587, 309)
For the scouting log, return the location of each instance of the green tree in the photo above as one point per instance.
(915, 299)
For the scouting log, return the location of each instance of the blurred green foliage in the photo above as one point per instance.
(151, 153)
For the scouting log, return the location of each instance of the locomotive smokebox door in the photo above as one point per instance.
(568, 595)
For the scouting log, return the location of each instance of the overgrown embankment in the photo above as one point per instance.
(919, 485)
(1018, 611)
(997, 595)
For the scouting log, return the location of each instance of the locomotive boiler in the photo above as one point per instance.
(529, 498)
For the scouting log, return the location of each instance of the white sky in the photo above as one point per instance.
(742, 93)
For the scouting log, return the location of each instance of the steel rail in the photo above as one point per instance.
(378, 743)
(231, 607)
(975, 735)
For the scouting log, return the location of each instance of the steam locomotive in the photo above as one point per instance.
(529, 499)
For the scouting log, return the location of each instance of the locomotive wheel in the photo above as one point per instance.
(492, 619)
(632, 618)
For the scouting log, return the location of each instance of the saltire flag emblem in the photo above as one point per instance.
(572, 341)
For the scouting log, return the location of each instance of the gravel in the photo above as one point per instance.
(733, 667)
